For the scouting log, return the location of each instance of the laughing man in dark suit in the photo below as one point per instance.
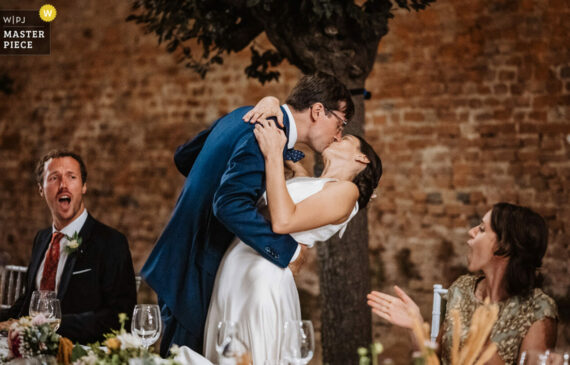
(93, 276)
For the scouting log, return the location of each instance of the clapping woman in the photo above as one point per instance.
(506, 250)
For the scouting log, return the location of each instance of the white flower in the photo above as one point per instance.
(129, 341)
(39, 320)
(89, 359)
(73, 244)
(175, 350)
(25, 321)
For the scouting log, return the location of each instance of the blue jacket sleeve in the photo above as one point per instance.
(187, 153)
(235, 204)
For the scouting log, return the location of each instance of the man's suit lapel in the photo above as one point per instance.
(85, 235)
(43, 241)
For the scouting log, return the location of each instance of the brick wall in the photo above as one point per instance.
(470, 106)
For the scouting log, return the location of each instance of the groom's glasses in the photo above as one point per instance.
(341, 122)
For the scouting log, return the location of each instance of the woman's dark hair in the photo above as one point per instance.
(322, 88)
(367, 179)
(522, 236)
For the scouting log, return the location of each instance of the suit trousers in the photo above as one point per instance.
(175, 333)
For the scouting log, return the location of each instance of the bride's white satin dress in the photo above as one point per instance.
(256, 293)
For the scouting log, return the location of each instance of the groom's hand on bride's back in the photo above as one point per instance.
(295, 266)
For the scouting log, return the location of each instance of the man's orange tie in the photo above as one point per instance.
(50, 265)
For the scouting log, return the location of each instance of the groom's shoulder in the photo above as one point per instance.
(239, 112)
(231, 127)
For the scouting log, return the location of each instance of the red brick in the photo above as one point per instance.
(494, 128)
(379, 119)
(505, 141)
(502, 114)
(492, 102)
(537, 115)
(413, 117)
(554, 128)
(484, 117)
(544, 101)
(500, 89)
(507, 76)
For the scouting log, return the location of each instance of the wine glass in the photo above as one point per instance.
(534, 357)
(557, 357)
(53, 313)
(146, 323)
(229, 347)
(39, 301)
(298, 343)
(225, 331)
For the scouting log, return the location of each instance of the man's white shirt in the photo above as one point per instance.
(68, 230)
(292, 140)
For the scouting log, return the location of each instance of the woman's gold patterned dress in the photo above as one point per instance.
(516, 315)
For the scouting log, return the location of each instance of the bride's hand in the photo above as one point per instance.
(400, 311)
(271, 139)
(265, 108)
(295, 266)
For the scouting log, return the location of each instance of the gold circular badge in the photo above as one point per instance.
(48, 13)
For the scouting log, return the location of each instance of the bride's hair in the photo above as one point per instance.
(367, 180)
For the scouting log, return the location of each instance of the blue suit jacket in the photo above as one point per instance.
(225, 177)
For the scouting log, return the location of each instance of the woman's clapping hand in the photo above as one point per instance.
(400, 310)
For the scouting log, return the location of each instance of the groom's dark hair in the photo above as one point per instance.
(322, 88)
(59, 154)
(367, 180)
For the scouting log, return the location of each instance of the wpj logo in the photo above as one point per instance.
(26, 32)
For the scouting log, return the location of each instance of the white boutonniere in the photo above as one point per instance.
(73, 243)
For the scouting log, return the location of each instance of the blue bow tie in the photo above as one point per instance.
(294, 155)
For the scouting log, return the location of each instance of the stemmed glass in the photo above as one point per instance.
(53, 313)
(40, 301)
(298, 343)
(146, 323)
(533, 357)
(228, 345)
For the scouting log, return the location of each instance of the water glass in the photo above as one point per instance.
(40, 301)
(558, 357)
(549, 357)
(224, 332)
(53, 313)
(298, 343)
(274, 362)
(146, 323)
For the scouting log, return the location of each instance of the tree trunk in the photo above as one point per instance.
(345, 280)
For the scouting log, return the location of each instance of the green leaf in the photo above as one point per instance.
(77, 352)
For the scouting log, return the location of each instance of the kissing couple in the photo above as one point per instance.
(239, 227)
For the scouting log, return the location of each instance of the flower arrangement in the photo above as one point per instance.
(119, 347)
(73, 243)
(35, 337)
(29, 337)
(375, 349)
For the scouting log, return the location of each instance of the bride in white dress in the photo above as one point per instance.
(259, 295)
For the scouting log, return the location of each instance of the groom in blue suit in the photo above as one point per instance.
(225, 177)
